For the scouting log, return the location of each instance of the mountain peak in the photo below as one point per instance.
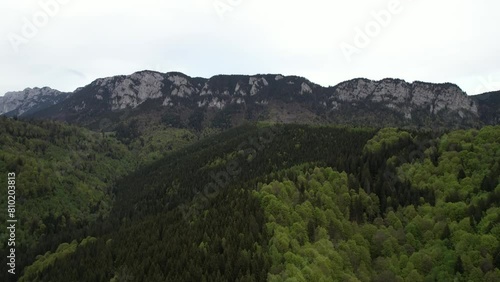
(17, 103)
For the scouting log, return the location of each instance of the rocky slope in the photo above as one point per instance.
(489, 107)
(29, 101)
(234, 98)
(406, 98)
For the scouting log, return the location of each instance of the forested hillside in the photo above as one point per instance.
(297, 203)
(323, 224)
(63, 174)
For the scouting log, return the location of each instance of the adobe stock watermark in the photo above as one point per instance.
(364, 36)
(222, 7)
(31, 26)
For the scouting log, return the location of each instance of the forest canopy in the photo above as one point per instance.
(259, 202)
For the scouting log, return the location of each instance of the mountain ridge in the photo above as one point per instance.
(16, 103)
(260, 96)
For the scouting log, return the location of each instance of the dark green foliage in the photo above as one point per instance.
(172, 119)
(459, 266)
(461, 174)
(127, 132)
(168, 248)
(223, 118)
(196, 119)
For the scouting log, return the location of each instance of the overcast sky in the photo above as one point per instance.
(65, 44)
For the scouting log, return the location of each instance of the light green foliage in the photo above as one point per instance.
(463, 200)
(156, 142)
(455, 238)
(385, 137)
(303, 226)
(48, 259)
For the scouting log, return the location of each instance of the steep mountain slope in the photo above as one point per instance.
(30, 101)
(227, 100)
(489, 107)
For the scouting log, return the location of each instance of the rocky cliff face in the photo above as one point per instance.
(404, 97)
(364, 101)
(29, 101)
(130, 91)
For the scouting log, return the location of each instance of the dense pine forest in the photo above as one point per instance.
(259, 202)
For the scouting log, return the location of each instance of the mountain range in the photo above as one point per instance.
(229, 100)
(166, 177)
